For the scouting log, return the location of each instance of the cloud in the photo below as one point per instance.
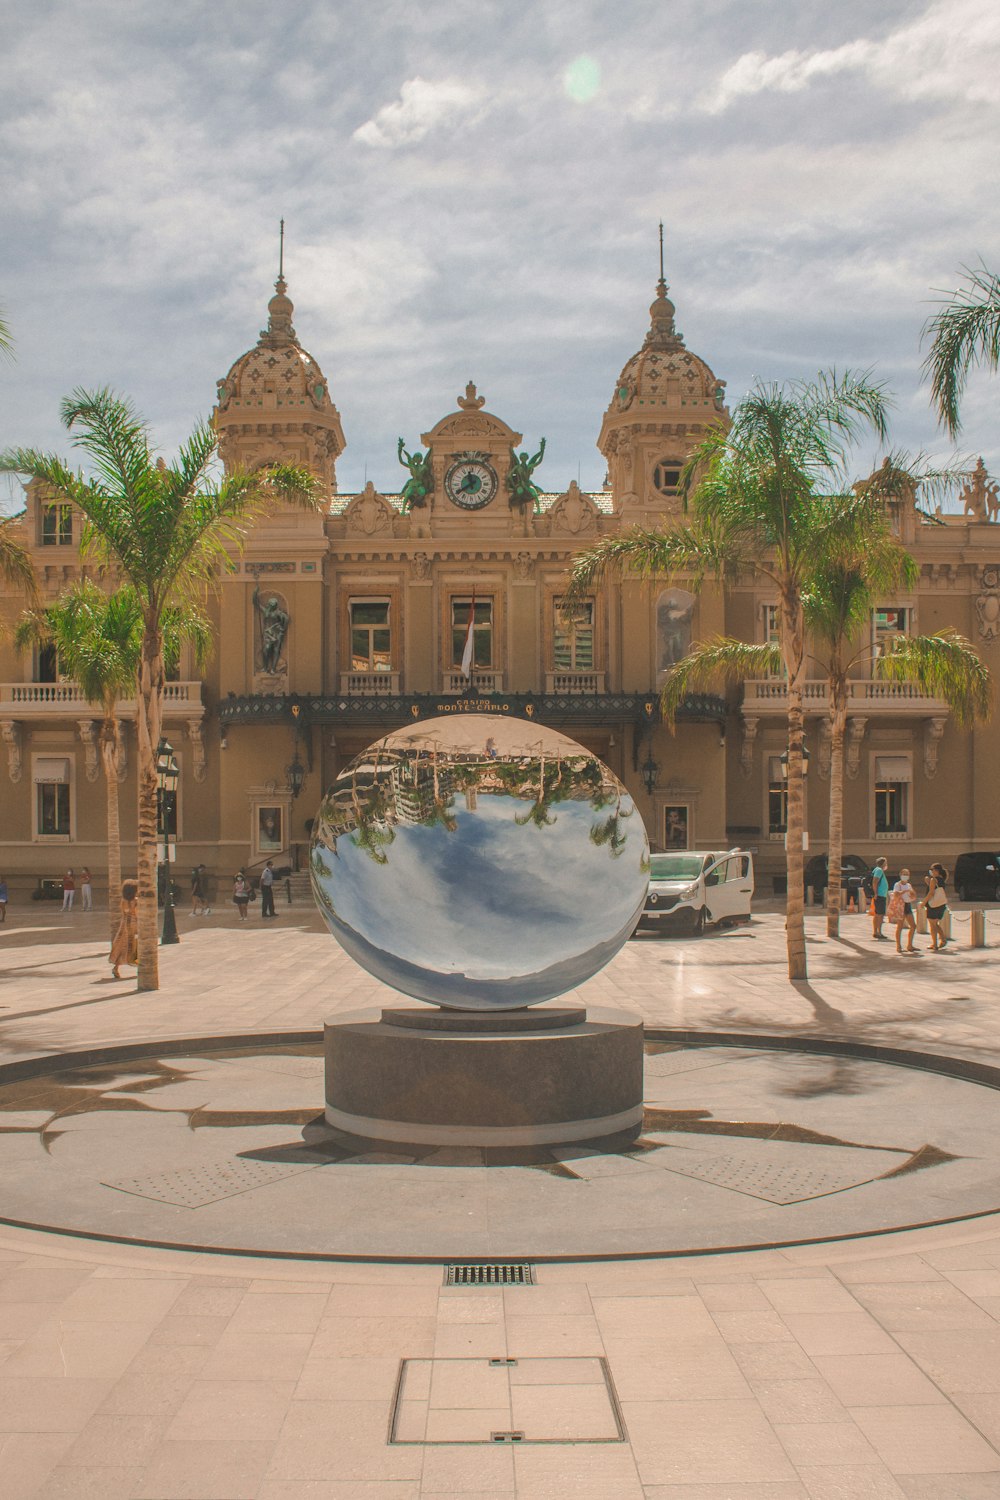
(951, 52)
(421, 108)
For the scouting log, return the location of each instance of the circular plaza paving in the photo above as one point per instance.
(226, 1148)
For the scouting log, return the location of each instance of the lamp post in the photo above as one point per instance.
(650, 771)
(167, 777)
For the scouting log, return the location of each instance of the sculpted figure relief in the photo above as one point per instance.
(521, 488)
(417, 489)
(273, 619)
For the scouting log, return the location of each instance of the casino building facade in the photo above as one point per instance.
(336, 627)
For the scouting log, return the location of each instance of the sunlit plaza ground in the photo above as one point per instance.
(845, 1367)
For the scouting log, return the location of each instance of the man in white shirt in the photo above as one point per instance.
(267, 891)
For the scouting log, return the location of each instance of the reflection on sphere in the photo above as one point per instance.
(479, 862)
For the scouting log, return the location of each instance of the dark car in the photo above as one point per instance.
(853, 870)
(977, 877)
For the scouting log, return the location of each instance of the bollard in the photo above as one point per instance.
(977, 929)
(921, 915)
(946, 926)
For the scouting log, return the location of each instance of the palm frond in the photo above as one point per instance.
(720, 659)
(944, 665)
(697, 551)
(15, 561)
(964, 334)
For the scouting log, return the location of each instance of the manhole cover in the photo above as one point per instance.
(197, 1186)
(505, 1400)
(491, 1273)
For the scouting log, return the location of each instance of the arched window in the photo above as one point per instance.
(674, 609)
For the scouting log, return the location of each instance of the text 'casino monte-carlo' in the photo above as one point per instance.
(338, 626)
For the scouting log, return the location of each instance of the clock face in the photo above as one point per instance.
(470, 483)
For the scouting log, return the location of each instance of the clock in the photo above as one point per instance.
(471, 482)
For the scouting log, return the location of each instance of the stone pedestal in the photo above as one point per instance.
(533, 1077)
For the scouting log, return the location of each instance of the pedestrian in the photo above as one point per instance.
(936, 905)
(125, 946)
(199, 893)
(267, 891)
(241, 895)
(69, 890)
(880, 894)
(900, 911)
(3, 898)
(86, 889)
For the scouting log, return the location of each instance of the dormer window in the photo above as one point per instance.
(667, 476)
(57, 526)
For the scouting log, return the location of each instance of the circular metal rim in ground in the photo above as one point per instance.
(984, 1074)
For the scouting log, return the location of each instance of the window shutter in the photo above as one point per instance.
(893, 768)
(51, 768)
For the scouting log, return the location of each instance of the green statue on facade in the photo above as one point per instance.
(417, 489)
(521, 488)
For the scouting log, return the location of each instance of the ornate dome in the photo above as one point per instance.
(664, 373)
(277, 372)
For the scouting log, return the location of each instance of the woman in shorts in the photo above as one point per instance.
(901, 904)
(936, 903)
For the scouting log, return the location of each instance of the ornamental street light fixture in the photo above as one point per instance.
(295, 774)
(650, 771)
(784, 763)
(167, 777)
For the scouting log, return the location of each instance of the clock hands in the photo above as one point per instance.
(471, 483)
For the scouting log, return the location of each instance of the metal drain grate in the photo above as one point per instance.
(490, 1273)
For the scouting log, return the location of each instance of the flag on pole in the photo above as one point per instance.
(467, 654)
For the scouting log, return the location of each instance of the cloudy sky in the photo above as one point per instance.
(472, 191)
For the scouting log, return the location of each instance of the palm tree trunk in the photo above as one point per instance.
(793, 651)
(149, 703)
(109, 749)
(835, 855)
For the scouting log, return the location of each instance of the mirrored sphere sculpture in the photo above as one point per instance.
(479, 862)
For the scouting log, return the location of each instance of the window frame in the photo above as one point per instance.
(901, 827)
(459, 631)
(666, 466)
(37, 835)
(570, 635)
(61, 511)
(372, 665)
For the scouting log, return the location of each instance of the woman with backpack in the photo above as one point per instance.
(936, 905)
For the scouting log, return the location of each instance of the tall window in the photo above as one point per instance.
(47, 665)
(57, 525)
(371, 640)
(482, 631)
(888, 621)
(893, 774)
(53, 807)
(673, 627)
(777, 797)
(667, 476)
(573, 649)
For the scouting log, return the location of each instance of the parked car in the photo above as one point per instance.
(977, 877)
(853, 870)
(687, 890)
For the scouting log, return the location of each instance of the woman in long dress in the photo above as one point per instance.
(124, 949)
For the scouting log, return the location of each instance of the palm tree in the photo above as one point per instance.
(98, 639)
(169, 529)
(756, 490)
(15, 563)
(964, 333)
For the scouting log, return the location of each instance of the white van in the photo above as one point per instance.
(689, 888)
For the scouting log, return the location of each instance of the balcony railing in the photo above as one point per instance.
(369, 684)
(483, 681)
(24, 700)
(563, 684)
(769, 695)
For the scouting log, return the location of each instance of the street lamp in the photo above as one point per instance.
(167, 777)
(650, 771)
(295, 774)
(784, 763)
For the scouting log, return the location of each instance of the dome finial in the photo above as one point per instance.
(279, 328)
(661, 313)
(281, 250)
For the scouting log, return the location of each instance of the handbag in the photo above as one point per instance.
(896, 910)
